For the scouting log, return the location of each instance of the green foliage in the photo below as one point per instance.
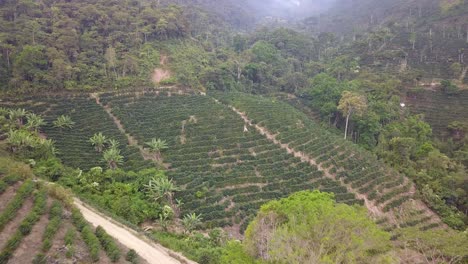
(132, 256)
(156, 146)
(113, 158)
(85, 53)
(92, 242)
(64, 121)
(26, 225)
(439, 245)
(191, 221)
(448, 87)
(15, 204)
(55, 220)
(234, 253)
(325, 93)
(98, 141)
(108, 243)
(196, 247)
(288, 230)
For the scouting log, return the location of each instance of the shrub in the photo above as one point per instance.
(132, 256)
(108, 243)
(92, 242)
(55, 216)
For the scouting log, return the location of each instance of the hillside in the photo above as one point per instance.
(253, 132)
(424, 37)
(228, 168)
(40, 224)
(439, 109)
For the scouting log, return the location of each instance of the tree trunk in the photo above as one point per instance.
(8, 56)
(347, 122)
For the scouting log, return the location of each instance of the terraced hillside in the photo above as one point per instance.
(228, 161)
(384, 191)
(39, 225)
(228, 166)
(226, 169)
(439, 109)
(73, 145)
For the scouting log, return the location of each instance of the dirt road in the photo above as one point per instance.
(151, 252)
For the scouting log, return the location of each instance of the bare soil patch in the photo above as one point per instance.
(13, 225)
(8, 195)
(161, 74)
(32, 243)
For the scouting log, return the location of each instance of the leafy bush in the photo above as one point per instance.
(108, 243)
(132, 256)
(92, 242)
(55, 217)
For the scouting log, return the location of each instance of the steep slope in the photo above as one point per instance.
(428, 36)
(38, 223)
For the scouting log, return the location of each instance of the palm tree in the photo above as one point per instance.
(162, 188)
(156, 146)
(98, 141)
(113, 158)
(34, 122)
(64, 121)
(18, 115)
(191, 221)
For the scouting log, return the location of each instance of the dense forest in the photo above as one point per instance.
(390, 77)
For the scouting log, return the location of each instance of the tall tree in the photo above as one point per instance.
(351, 103)
(310, 227)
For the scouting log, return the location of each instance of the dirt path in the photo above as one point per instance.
(161, 74)
(374, 209)
(131, 140)
(151, 252)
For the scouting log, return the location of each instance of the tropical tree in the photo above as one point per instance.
(47, 147)
(17, 115)
(191, 221)
(113, 158)
(165, 216)
(161, 188)
(156, 146)
(34, 121)
(18, 140)
(351, 103)
(64, 121)
(98, 140)
(311, 227)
